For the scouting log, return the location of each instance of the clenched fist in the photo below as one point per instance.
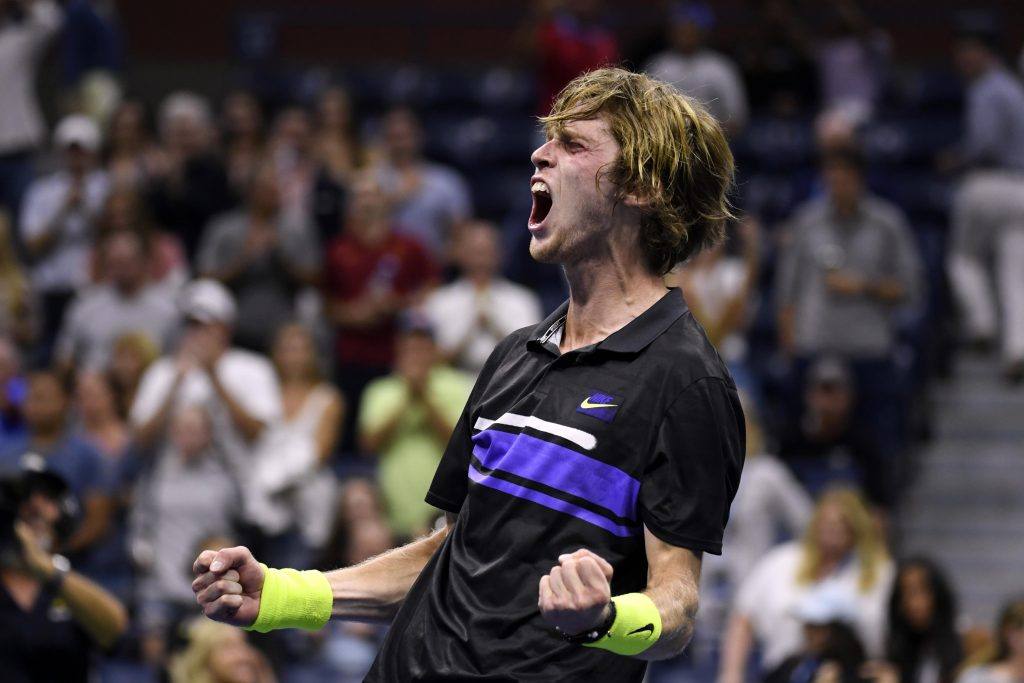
(575, 595)
(228, 585)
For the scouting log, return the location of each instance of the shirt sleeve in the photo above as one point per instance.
(694, 471)
(450, 485)
(156, 384)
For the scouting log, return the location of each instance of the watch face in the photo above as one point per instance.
(61, 563)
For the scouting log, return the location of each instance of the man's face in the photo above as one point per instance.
(573, 200)
(41, 513)
(402, 135)
(77, 159)
(415, 354)
(845, 184)
(479, 254)
(122, 256)
(830, 401)
(187, 134)
(45, 403)
(367, 202)
(971, 58)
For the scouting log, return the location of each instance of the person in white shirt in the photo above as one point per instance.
(26, 27)
(238, 388)
(471, 315)
(702, 73)
(842, 551)
(57, 219)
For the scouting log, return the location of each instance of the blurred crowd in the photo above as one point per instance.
(224, 321)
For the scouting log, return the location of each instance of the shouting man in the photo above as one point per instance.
(599, 451)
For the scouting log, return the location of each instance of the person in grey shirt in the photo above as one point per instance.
(849, 263)
(125, 302)
(430, 200)
(189, 495)
(988, 209)
(265, 254)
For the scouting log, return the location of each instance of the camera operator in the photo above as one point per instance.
(52, 619)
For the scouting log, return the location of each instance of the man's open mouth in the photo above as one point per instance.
(541, 202)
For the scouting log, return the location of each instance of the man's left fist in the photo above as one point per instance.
(575, 595)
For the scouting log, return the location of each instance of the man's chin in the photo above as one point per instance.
(543, 250)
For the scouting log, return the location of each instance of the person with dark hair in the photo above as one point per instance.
(923, 644)
(50, 434)
(1005, 662)
(52, 618)
(599, 452)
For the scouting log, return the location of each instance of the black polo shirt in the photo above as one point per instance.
(556, 452)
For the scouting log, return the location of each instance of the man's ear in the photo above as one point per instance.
(636, 200)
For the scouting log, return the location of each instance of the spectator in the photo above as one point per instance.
(832, 652)
(852, 61)
(826, 445)
(430, 200)
(702, 73)
(92, 56)
(721, 292)
(190, 184)
(405, 420)
(237, 388)
(769, 504)
(132, 354)
(104, 429)
(189, 495)
(988, 209)
(217, 653)
(126, 302)
(131, 153)
(1006, 662)
(292, 487)
(165, 266)
(291, 149)
(57, 221)
(848, 264)
(474, 313)
(241, 122)
(265, 255)
(49, 434)
(849, 260)
(923, 645)
(12, 390)
(358, 504)
(16, 298)
(52, 618)
(567, 39)
(26, 27)
(842, 551)
(314, 410)
(372, 273)
(340, 155)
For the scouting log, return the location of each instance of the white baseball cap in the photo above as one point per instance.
(77, 130)
(208, 301)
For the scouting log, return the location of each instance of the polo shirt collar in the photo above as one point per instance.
(635, 336)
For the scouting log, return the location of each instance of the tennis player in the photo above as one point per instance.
(599, 452)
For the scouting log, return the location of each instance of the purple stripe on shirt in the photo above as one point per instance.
(550, 502)
(560, 468)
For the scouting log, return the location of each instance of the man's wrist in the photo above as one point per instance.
(595, 633)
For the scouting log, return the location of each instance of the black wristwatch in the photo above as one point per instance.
(592, 635)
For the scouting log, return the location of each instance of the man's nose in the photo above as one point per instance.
(543, 156)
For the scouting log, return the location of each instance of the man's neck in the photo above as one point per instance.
(604, 297)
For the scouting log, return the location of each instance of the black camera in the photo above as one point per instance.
(34, 478)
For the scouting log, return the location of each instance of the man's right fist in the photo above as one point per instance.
(228, 584)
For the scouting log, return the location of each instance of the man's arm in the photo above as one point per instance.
(575, 596)
(229, 582)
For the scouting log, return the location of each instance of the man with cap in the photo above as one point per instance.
(57, 220)
(237, 387)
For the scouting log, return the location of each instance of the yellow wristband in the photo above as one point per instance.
(637, 626)
(293, 599)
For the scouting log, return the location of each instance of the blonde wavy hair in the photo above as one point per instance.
(674, 156)
(869, 546)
